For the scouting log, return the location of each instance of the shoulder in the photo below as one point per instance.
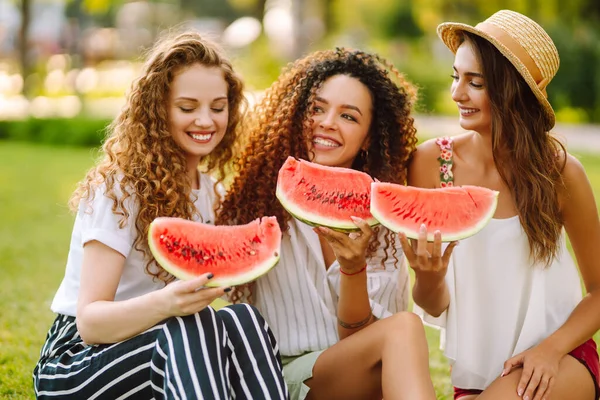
(103, 196)
(573, 169)
(423, 170)
(576, 189)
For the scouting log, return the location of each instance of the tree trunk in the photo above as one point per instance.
(24, 58)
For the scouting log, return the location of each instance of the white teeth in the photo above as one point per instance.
(325, 142)
(201, 137)
(469, 111)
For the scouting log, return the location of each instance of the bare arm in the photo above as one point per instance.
(430, 291)
(354, 308)
(100, 319)
(540, 364)
(583, 228)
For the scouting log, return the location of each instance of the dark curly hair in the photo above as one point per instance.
(278, 128)
(141, 161)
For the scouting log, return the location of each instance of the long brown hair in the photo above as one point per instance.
(277, 128)
(529, 160)
(141, 162)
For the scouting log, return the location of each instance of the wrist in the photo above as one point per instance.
(157, 304)
(430, 278)
(552, 345)
(354, 271)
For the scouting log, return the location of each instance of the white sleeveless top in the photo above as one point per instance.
(501, 304)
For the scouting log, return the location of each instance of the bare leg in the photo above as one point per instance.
(388, 359)
(573, 382)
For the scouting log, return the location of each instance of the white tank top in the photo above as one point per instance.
(500, 302)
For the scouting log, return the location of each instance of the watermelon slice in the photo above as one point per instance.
(324, 196)
(458, 212)
(234, 254)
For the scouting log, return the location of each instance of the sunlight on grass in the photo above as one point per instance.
(35, 184)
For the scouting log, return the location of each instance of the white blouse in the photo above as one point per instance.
(299, 296)
(96, 221)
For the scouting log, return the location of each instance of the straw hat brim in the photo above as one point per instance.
(449, 33)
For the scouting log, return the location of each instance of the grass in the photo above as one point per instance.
(35, 184)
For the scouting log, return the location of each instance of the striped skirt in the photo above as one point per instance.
(225, 354)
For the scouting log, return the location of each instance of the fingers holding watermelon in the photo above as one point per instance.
(424, 256)
(350, 248)
(181, 298)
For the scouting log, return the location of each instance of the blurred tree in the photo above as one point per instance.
(24, 60)
(253, 8)
(384, 19)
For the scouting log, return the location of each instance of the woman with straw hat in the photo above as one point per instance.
(509, 298)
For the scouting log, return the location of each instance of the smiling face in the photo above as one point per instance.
(198, 111)
(469, 91)
(342, 115)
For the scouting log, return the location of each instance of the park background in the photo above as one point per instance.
(65, 66)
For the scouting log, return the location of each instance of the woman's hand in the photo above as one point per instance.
(424, 257)
(350, 248)
(540, 367)
(181, 298)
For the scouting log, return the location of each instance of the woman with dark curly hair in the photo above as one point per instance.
(338, 108)
(125, 328)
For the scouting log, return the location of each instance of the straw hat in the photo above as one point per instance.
(522, 41)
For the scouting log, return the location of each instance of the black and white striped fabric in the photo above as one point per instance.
(225, 354)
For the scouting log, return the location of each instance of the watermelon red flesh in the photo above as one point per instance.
(457, 212)
(325, 196)
(234, 254)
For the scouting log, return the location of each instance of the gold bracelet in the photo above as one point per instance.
(354, 325)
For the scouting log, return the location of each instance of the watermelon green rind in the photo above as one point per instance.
(313, 219)
(218, 281)
(379, 212)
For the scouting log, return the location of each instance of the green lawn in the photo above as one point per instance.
(35, 184)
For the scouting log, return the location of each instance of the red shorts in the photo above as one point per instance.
(587, 354)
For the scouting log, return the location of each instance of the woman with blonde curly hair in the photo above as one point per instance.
(339, 108)
(125, 327)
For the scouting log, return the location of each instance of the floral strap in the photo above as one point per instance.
(446, 176)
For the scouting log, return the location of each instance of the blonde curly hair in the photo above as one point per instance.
(139, 153)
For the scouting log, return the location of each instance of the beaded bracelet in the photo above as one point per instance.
(353, 273)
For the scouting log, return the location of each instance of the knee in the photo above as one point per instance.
(243, 314)
(183, 322)
(405, 322)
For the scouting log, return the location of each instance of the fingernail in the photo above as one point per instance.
(210, 275)
(520, 392)
(423, 228)
(227, 290)
(526, 398)
(356, 219)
